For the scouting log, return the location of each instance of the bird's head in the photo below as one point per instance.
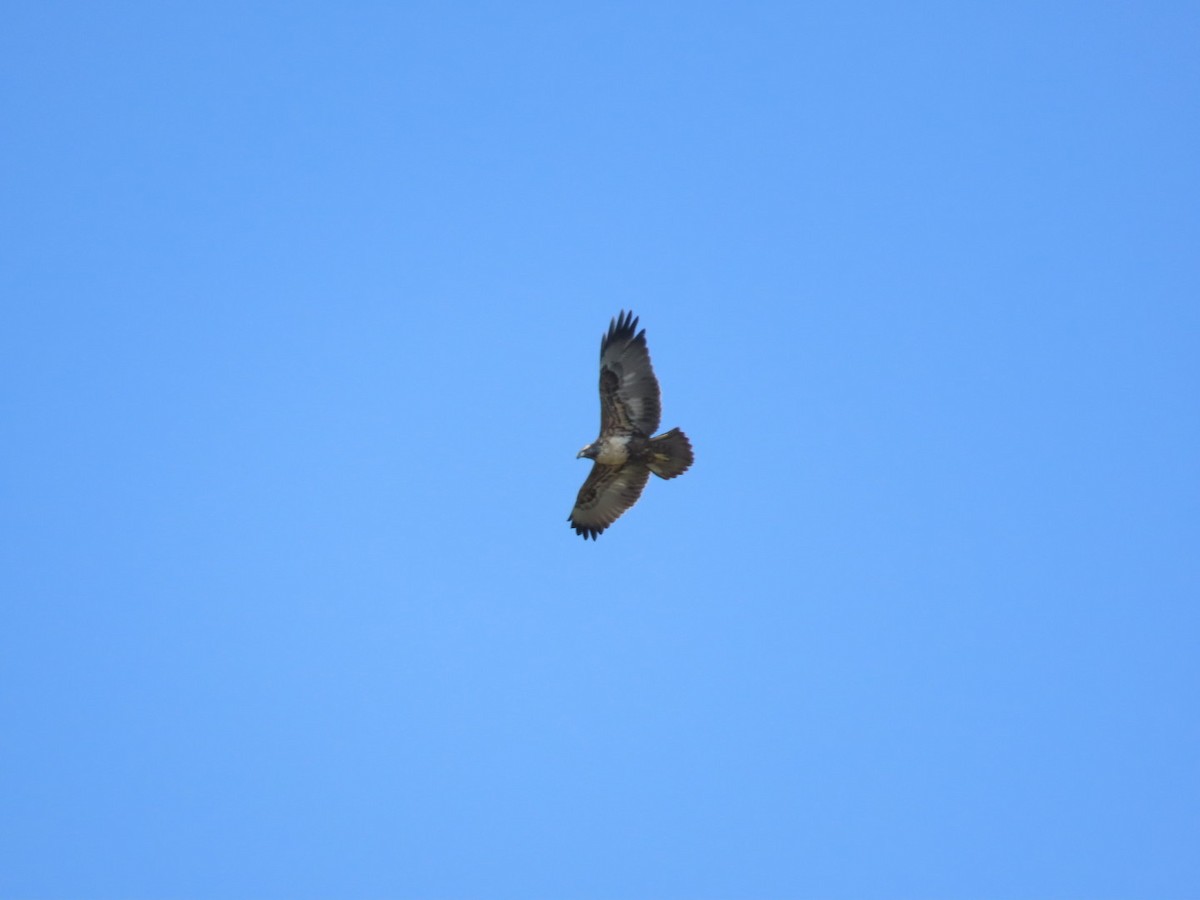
(589, 451)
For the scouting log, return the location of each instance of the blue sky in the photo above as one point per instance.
(301, 311)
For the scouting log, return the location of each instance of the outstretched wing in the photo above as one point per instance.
(608, 492)
(629, 395)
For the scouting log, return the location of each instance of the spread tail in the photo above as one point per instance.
(670, 454)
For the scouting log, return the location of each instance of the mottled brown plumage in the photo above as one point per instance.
(625, 453)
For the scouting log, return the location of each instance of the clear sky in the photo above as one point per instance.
(301, 308)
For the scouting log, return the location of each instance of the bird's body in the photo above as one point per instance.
(618, 449)
(625, 453)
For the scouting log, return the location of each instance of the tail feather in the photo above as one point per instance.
(670, 454)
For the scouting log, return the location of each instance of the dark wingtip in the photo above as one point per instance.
(623, 328)
(584, 531)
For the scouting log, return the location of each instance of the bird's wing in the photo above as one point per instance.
(607, 492)
(629, 395)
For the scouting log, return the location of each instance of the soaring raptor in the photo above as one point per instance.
(625, 454)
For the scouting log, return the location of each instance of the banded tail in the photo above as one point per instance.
(670, 454)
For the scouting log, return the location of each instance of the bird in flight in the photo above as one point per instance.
(625, 454)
